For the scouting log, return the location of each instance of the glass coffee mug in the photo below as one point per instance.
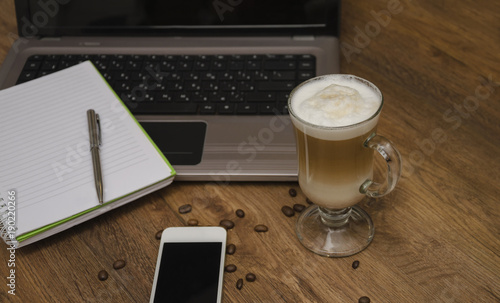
(335, 119)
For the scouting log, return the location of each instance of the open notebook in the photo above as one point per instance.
(47, 181)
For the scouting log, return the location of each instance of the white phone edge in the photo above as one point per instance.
(193, 234)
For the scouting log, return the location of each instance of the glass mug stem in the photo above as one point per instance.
(392, 158)
(335, 218)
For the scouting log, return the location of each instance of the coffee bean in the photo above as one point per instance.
(192, 222)
(364, 299)
(250, 277)
(309, 201)
(231, 249)
(102, 275)
(230, 268)
(158, 234)
(240, 213)
(299, 207)
(288, 211)
(239, 284)
(355, 264)
(292, 192)
(227, 224)
(261, 228)
(184, 209)
(119, 264)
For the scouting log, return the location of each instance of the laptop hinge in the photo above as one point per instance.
(50, 38)
(303, 38)
(90, 43)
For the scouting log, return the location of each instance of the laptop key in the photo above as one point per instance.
(236, 65)
(235, 96)
(175, 86)
(276, 86)
(209, 76)
(32, 65)
(229, 76)
(260, 97)
(164, 108)
(117, 65)
(191, 76)
(49, 65)
(210, 86)
(184, 65)
(243, 76)
(219, 65)
(201, 65)
(253, 65)
(124, 76)
(283, 75)
(306, 65)
(217, 97)
(122, 85)
(225, 109)
(132, 65)
(164, 97)
(36, 57)
(228, 86)
(42, 73)
(54, 57)
(166, 66)
(182, 97)
(282, 108)
(280, 65)
(199, 97)
(246, 86)
(283, 96)
(246, 109)
(192, 86)
(261, 75)
(305, 75)
(26, 76)
(172, 76)
(207, 109)
(267, 109)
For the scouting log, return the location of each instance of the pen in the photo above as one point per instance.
(95, 142)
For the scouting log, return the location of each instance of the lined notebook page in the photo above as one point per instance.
(45, 151)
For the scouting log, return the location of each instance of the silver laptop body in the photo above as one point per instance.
(228, 147)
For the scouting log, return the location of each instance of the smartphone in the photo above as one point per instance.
(190, 265)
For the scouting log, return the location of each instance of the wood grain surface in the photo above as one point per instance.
(437, 235)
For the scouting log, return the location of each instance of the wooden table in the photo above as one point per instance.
(437, 235)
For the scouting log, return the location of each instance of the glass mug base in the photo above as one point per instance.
(335, 233)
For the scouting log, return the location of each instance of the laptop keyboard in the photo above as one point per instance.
(185, 84)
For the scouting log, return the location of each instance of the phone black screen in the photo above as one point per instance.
(189, 272)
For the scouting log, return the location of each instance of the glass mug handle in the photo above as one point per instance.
(393, 159)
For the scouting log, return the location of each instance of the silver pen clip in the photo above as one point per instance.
(94, 128)
(98, 121)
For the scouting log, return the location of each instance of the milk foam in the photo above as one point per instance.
(335, 101)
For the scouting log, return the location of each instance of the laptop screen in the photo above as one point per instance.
(130, 17)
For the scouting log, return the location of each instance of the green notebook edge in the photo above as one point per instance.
(40, 230)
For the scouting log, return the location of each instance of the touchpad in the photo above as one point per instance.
(180, 142)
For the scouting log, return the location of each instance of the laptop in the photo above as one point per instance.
(212, 77)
